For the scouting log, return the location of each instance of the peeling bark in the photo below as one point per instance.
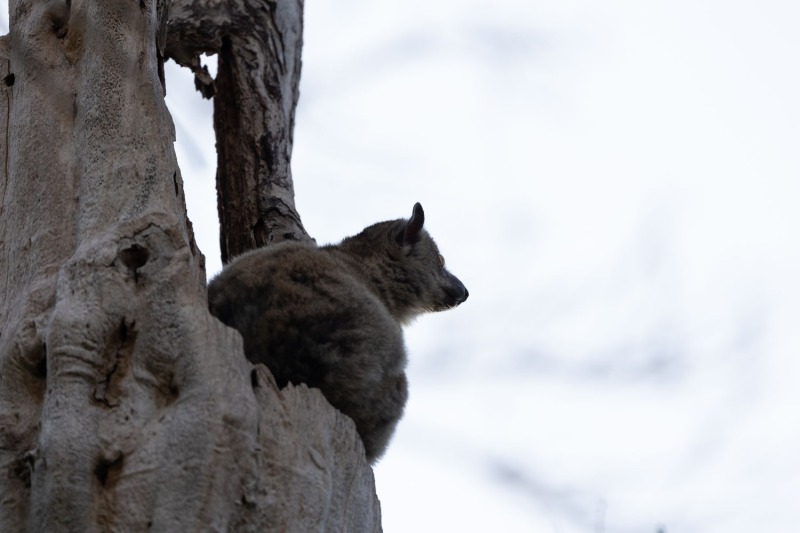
(124, 406)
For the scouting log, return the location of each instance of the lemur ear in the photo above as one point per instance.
(410, 232)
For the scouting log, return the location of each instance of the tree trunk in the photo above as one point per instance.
(258, 45)
(124, 405)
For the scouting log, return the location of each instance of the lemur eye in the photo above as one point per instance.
(441, 260)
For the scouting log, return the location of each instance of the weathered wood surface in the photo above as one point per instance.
(123, 404)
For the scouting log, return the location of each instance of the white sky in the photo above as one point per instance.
(616, 183)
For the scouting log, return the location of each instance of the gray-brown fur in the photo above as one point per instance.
(331, 316)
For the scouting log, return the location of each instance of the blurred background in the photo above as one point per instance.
(617, 185)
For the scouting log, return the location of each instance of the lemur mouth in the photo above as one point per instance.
(454, 296)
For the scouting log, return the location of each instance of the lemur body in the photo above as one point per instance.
(331, 316)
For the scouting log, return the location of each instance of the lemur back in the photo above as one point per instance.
(331, 316)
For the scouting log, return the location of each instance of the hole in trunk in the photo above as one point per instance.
(134, 257)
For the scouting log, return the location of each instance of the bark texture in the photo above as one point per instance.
(258, 45)
(124, 406)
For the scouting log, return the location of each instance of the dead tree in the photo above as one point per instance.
(124, 406)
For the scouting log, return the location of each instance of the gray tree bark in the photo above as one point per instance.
(124, 406)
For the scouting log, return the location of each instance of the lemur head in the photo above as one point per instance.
(406, 268)
(424, 263)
